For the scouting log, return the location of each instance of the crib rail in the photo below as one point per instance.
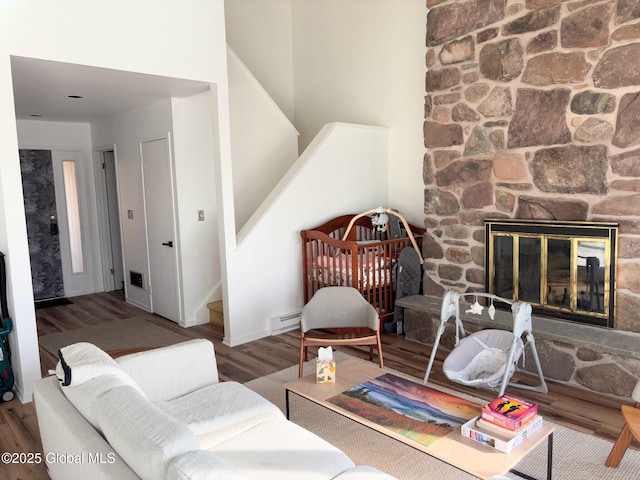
(366, 261)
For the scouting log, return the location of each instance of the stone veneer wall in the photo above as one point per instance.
(532, 111)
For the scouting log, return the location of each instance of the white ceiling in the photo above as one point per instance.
(43, 87)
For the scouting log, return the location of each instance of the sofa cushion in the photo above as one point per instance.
(201, 465)
(81, 362)
(219, 411)
(66, 434)
(281, 450)
(169, 372)
(85, 395)
(142, 434)
(85, 372)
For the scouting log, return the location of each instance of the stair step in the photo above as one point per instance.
(216, 317)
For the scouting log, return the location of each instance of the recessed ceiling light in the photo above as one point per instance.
(35, 115)
(75, 96)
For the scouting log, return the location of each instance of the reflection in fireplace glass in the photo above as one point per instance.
(559, 273)
(529, 257)
(503, 278)
(591, 263)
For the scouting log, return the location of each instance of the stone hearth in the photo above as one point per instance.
(593, 358)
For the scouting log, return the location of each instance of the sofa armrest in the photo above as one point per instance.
(143, 435)
(169, 372)
(67, 435)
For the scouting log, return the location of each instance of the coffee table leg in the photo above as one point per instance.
(549, 461)
(549, 455)
(286, 397)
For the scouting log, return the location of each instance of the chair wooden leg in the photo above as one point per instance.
(303, 354)
(620, 447)
(380, 359)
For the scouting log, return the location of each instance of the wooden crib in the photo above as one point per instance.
(366, 260)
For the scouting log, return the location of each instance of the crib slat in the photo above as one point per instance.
(368, 266)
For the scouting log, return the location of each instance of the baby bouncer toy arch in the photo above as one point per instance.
(487, 358)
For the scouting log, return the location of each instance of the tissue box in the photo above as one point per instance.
(325, 371)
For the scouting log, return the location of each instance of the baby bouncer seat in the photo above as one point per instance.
(487, 358)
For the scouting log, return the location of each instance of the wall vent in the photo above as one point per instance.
(136, 279)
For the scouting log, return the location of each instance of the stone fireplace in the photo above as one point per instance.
(532, 112)
(565, 270)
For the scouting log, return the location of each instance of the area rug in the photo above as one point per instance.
(576, 455)
(119, 334)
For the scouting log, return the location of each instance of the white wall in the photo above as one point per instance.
(129, 129)
(259, 31)
(61, 137)
(363, 61)
(359, 61)
(337, 174)
(198, 243)
(264, 143)
(161, 37)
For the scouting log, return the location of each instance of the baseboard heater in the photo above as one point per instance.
(284, 323)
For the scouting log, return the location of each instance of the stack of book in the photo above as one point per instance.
(504, 423)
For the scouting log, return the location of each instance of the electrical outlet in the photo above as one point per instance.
(130, 214)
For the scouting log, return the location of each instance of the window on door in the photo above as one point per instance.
(73, 214)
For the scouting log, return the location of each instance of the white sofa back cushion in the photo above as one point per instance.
(170, 372)
(85, 396)
(142, 434)
(65, 433)
(83, 361)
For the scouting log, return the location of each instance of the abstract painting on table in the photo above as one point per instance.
(418, 412)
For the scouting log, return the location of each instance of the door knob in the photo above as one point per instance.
(168, 244)
(54, 225)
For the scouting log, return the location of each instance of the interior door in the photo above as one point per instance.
(161, 231)
(42, 223)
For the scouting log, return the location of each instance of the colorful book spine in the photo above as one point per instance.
(501, 442)
(492, 427)
(509, 412)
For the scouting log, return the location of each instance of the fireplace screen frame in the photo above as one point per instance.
(584, 276)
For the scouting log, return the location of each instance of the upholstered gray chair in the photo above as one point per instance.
(339, 316)
(630, 430)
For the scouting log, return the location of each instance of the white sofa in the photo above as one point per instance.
(163, 414)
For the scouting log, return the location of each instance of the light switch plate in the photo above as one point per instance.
(201, 215)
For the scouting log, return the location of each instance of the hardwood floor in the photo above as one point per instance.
(588, 412)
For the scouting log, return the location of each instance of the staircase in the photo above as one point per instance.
(216, 318)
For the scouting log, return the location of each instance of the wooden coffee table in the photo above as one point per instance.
(454, 449)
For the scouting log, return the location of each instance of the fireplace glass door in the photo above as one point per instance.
(563, 270)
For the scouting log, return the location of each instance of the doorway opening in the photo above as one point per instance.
(109, 220)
